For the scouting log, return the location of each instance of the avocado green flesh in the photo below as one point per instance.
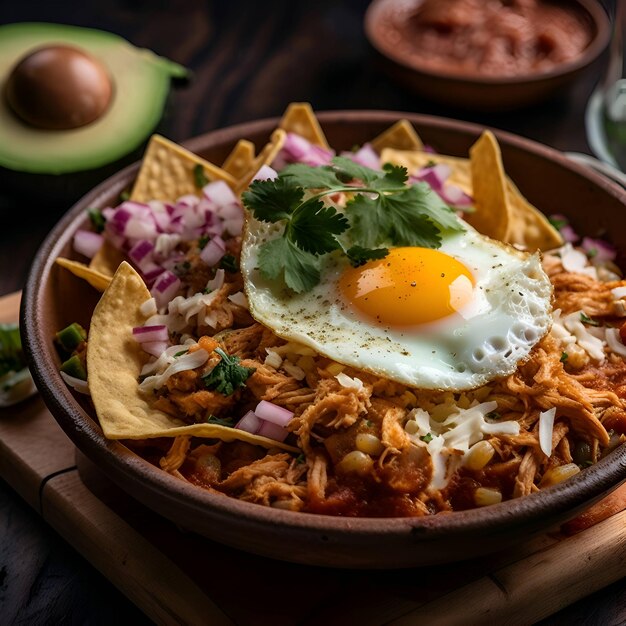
(141, 82)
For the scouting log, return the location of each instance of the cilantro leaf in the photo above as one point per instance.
(322, 177)
(347, 170)
(229, 263)
(313, 227)
(390, 219)
(273, 200)
(395, 177)
(427, 438)
(199, 177)
(97, 219)
(227, 376)
(585, 319)
(282, 258)
(359, 255)
(220, 421)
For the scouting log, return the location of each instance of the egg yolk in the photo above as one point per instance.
(409, 286)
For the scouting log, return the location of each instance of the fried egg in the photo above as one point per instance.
(453, 318)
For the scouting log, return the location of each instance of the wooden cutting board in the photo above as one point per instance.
(177, 577)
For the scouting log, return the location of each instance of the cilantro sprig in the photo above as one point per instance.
(382, 210)
(228, 375)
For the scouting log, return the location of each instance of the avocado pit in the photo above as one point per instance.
(58, 87)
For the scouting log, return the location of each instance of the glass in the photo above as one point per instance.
(606, 112)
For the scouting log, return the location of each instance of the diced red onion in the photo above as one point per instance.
(455, 196)
(266, 173)
(272, 431)
(144, 334)
(87, 242)
(234, 226)
(155, 348)
(273, 413)
(165, 288)
(141, 253)
(366, 156)
(429, 149)
(219, 193)
(598, 250)
(250, 423)
(298, 149)
(151, 272)
(137, 227)
(213, 251)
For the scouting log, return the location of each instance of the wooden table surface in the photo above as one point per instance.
(249, 60)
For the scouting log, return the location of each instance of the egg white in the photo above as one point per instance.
(509, 313)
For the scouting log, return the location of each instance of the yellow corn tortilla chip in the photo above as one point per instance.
(265, 157)
(240, 160)
(106, 260)
(167, 172)
(529, 227)
(401, 136)
(493, 211)
(114, 362)
(96, 279)
(300, 119)
(460, 174)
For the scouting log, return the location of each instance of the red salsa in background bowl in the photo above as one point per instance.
(487, 55)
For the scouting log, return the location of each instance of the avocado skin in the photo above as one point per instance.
(60, 166)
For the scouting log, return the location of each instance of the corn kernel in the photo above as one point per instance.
(408, 399)
(355, 462)
(484, 496)
(479, 455)
(558, 474)
(370, 444)
(307, 363)
(335, 368)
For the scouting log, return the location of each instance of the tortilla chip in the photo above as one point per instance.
(114, 362)
(266, 156)
(461, 174)
(106, 260)
(401, 136)
(493, 211)
(300, 119)
(240, 160)
(96, 279)
(167, 172)
(529, 227)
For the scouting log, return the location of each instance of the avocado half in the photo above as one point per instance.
(141, 81)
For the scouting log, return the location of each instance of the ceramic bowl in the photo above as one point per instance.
(54, 298)
(484, 93)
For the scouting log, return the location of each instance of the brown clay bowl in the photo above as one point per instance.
(483, 93)
(53, 298)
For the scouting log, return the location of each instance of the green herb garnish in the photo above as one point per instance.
(181, 353)
(125, 195)
(97, 219)
(300, 458)
(558, 222)
(591, 252)
(427, 438)
(229, 263)
(382, 210)
(203, 241)
(199, 177)
(493, 415)
(227, 376)
(564, 357)
(11, 357)
(585, 319)
(220, 421)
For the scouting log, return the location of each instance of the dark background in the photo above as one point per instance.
(250, 59)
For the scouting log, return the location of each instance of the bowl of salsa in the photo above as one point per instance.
(500, 54)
